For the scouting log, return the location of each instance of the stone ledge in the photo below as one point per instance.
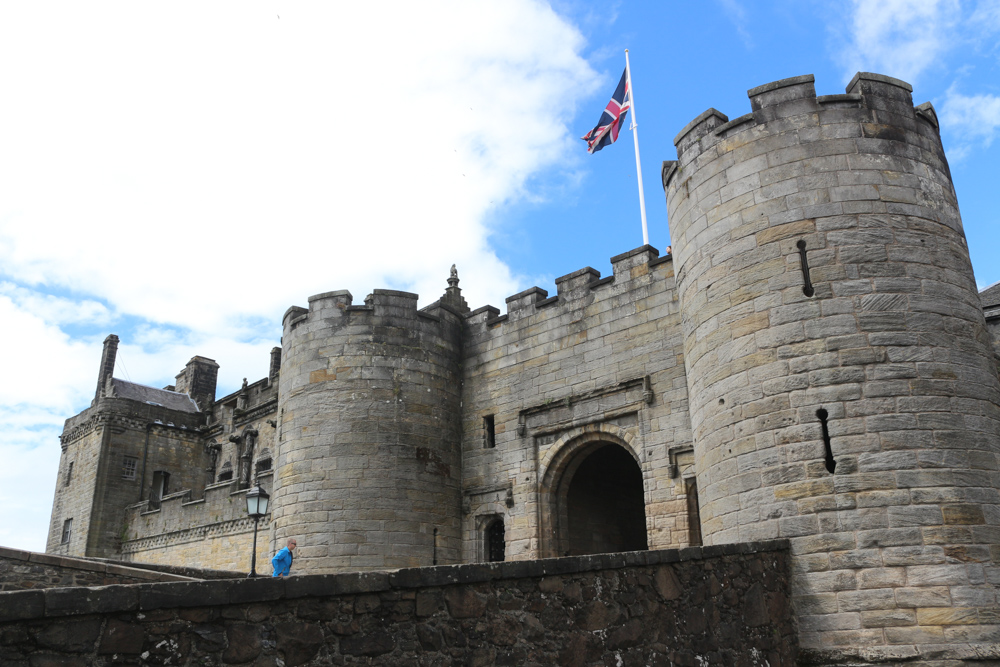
(14, 554)
(99, 565)
(781, 83)
(19, 605)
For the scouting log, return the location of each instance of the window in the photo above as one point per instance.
(489, 432)
(263, 465)
(128, 467)
(495, 541)
(69, 474)
(227, 472)
(67, 530)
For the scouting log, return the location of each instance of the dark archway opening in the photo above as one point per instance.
(605, 504)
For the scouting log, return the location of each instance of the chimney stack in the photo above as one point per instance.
(107, 366)
(275, 369)
(197, 380)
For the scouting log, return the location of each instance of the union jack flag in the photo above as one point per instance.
(606, 130)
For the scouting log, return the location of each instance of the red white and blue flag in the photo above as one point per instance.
(607, 129)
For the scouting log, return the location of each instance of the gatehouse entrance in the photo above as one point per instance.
(599, 504)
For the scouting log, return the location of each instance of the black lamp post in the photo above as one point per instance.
(256, 507)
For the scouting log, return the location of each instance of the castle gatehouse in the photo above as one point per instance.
(811, 362)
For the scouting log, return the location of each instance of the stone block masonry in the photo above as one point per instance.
(598, 363)
(843, 385)
(369, 468)
(27, 570)
(213, 531)
(718, 605)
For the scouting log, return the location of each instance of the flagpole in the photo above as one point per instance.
(635, 136)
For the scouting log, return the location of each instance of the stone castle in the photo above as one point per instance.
(811, 362)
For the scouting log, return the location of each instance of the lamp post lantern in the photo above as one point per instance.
(256, 507)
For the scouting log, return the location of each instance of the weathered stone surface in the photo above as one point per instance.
(299, 642)
(373, 643)
(465, 603)
(121, 637)
(724, 600)
(243, 643)
(71, 635)
(863, 464)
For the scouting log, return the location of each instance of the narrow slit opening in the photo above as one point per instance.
(831, 464)
(807, 286)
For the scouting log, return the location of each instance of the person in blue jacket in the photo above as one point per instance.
(282, 561)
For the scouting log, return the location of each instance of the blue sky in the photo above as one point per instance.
(180, 175)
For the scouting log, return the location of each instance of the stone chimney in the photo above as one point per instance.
(197, 380)
(275, 369)
(107, 366)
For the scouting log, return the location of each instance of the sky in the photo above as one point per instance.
(181, 173)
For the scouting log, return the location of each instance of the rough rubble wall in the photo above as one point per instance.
(561, 374)
(723, 605)
(899, 544)
(368, 472)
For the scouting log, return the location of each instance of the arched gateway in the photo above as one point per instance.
(593, 498)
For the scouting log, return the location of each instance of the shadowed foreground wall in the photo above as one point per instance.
(725, 604)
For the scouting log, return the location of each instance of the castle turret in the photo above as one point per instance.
(842, 387)
(369, 464)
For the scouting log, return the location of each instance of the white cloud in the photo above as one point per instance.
(48, 379)
(970, 119)
(27, 484)
(57, 310)
(986, 16)
(900, 38)
(737, 15)
(199, 165)
(32, 345)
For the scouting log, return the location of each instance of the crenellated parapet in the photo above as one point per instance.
(572, 290)
(180, 519)
(221, 502)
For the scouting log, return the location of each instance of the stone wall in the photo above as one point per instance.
(598, 363)
(718, 605)
(844, 391)
(209, 532)
(368, 472)
(96, 442)
(27, 570)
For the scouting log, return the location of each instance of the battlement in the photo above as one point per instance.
(181, 519)
(381, 303)
(339, 304)
(569, 289)
(887, 101)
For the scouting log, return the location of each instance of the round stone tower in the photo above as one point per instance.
(369, 460)
(843, 392)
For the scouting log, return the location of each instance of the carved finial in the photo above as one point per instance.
(453, 278)
(244, 387)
